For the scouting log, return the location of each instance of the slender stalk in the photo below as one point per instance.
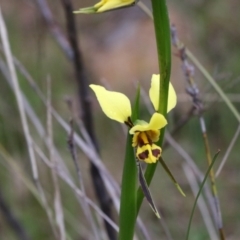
(128, 194)
(128, 198)
(58, 207)
(229, 149)
(85, 102)
(23, 117)
(193, 91)
(199, 192)
(212, 179)
(162, 32)
(214, 84)
(192, 180)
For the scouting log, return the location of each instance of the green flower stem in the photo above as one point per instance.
(162, 32)
(128, 194)
(128, 199)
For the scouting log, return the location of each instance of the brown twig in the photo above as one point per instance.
(86, 209)
(54, 28)
(83, 89)
(193, 91)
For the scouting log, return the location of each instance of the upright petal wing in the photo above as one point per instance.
(154, 93)
(157, 122)
(114, 104)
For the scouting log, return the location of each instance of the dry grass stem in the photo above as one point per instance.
(229, 149)
(59, 215)
(17, 92)
(85, 206)
(201, 203)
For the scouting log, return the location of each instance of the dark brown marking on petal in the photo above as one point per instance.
(156, 152)
(143, 155)
(149, 139)
(140, 141)
(129, 122)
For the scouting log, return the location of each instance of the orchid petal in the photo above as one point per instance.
(157, 122)
(106, 5)
(154, 93)
(113, 4)
(148, 153)
(114, 104)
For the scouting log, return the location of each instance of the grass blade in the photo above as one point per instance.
(127, 216)
(199, 192)
(162, 32)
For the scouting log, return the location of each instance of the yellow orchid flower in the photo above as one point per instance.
(106, 5)
(117, 107)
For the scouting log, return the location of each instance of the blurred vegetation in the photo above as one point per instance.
(119, 50)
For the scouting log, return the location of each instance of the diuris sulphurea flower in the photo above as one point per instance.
(107, 5)
(117, 107)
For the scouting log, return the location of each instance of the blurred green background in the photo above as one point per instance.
(119, 50)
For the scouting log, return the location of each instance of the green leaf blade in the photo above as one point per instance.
(163, 39)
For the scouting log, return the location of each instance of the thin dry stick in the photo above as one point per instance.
(229, 149)
(57, 195)
(11, 164)
(41, 131)
(17, 92)
(193, 91)
(110, 183)
(86, 210)
(76, 190)
(186, 157)
(85, 104)
(201, 204)
(54, 28)
(86, 147)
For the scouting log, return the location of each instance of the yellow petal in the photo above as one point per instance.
(135, 139)
(153, 135)
(113, 4)
(154, 93)
(106, 5)
(148, 153)
(114, 104)
(157, 122)
(100, 4)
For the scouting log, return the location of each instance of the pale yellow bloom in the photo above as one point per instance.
(117, 107)
(144, 134)
(106, 5)
(154, 93)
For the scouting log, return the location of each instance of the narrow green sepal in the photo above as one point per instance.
(164, 165)
(146, 190)
(87, 10)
